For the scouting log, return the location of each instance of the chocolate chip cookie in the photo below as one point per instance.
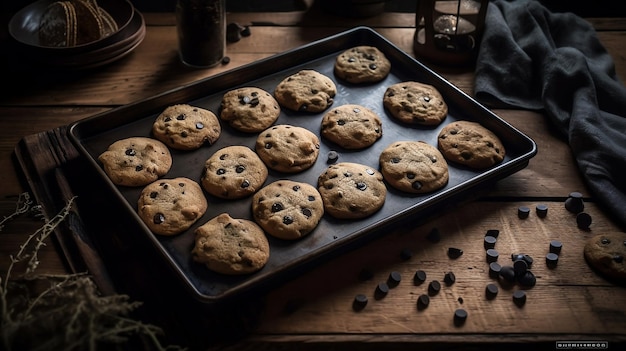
(249, 109)
(414, 167)
(306, 91)
(470, 144)
(186, 127)
(415, 103)
(171, 206)
(233, 172)
(351, 190)
(605, 253)
(136, 161)
(287, 209)
(362, 64)
(352, 126)
(231, 246)
(287, 148)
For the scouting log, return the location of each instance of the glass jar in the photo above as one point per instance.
(201, 27)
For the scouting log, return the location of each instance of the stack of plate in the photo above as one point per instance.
(24, 28)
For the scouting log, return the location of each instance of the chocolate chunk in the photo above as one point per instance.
(381, 291)
(449, 278)
(491, 290)
(552, 260)
(359, 303)
(574, 203)
(419, 277)
(583, 220)
(493, 232)
(394, 279)
(406, 254)
(434, 287)
(541, 210)
(520, 267)
(460, 315)
(434, 236)
(507, 273)
(423, 301)
(528, 279)
(494, 269)
(519, 297)
(555, 246)
(489, 242)
(523, 212)
(454, 252)
(492, 255)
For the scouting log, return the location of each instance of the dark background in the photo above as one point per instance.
(595, 8)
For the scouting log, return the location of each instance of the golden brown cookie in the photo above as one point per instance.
(352, 126)
(605, 253)
(136, 161)
(351, 190)
(470, 144)
(233, 172)
(171, 206)
(306, 91)
(415, 103)
(249, 109)
(414, 167)
(287, 148)
(186, 127)
(362, 64)
(231, 246)
(287, 209)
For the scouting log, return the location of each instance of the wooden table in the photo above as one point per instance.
(314, 310)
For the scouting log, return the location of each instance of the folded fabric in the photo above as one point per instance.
(535, 59)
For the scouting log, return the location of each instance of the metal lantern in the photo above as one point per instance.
(449, 32)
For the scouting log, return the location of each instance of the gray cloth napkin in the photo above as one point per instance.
(534, 59)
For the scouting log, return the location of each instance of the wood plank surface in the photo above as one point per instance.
(313, 311)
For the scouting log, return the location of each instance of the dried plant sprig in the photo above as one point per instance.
(68, 313)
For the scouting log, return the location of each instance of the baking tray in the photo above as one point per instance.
(93, 135)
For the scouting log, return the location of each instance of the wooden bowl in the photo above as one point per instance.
(24, 27)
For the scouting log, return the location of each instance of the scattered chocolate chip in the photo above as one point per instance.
(423, 301)
(552, 260)
(434, 236)
(449, 278)
(493, 232)
(332, 156)
(541, 210)
(574, 203)
(492, 255)
(491, 290)
(233, 32)
(555, 246)
(507, 273)
(394, 279)
(583, 220)
(246, 32)
(381, 291)
(489, 242)
(359, 303)
(365, 274)
(528, 279)
(520, 267)
(454, 252)
(460, 315)
(225, 60)
(529, 260)
(406, 254)
(523, 212)
(519, 297)
(494, 269)
(419, 277)
(434, 287)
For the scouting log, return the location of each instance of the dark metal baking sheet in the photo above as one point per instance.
(93, 135)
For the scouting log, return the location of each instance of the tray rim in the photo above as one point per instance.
(74, 134)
